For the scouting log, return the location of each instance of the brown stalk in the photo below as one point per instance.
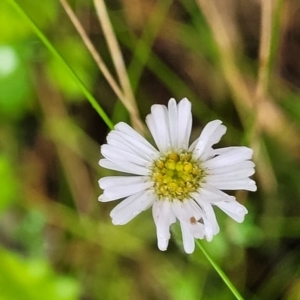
(131, 108)
(119, 64)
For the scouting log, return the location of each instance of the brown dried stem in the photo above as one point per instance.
(118, 61)
(131, 108)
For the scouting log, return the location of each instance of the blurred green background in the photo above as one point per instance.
(56, 239)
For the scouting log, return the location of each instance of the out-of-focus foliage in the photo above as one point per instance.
(57, 240)
(8, 184)
(14, 83)
(32, 279)
(79, 61)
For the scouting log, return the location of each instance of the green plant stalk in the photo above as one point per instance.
(220, 272)
(56, 54)
(144, 45)
(275, 34)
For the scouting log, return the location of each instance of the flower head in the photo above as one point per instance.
(179, 181)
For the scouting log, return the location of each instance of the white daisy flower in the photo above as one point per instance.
(179, 181)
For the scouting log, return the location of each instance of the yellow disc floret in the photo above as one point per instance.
(176, 175)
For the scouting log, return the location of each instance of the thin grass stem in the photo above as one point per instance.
(265, 47)
(241, 94)
(56, 54)
(119, 64)
(276, 32)
(96, 56)
(224, 277)
(143, 46)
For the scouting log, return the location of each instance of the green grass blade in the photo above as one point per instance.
(143, 48)
(56, 54)
(220, 272)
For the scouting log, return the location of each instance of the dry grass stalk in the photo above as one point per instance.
(248, 105)
(117, 57)
(137, 124)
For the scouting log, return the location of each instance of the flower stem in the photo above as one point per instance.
(220, 272)
(52, 49)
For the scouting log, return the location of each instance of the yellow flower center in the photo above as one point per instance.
(176, 175)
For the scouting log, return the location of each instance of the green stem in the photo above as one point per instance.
(144, 45)
(275, 34)
(220, 272)
(51, 48)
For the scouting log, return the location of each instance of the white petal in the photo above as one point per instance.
(113, 181)
(123, 166)
(129, 143)
(173, 122)
(210, 135)
(210, 222)
(122, 191)
(240, 184)
(233, 209)
(158, 125)
(211, 194)
(163, 217)
(185, 211)
(107, 164)
(197, 229)
(194, 214)
(230, 156)
(113, 139)
(112, 153)
(235, 175)
(124, 203)
(244, 165)
(187, 238)
(131, 207)
(193, 210)
(189, 213)
(129, 131)
(184, 123)
(193, 145)
(219, 151)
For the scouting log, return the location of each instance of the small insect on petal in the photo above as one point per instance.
(193, 220)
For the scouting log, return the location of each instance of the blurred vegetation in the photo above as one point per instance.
(235, 60)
